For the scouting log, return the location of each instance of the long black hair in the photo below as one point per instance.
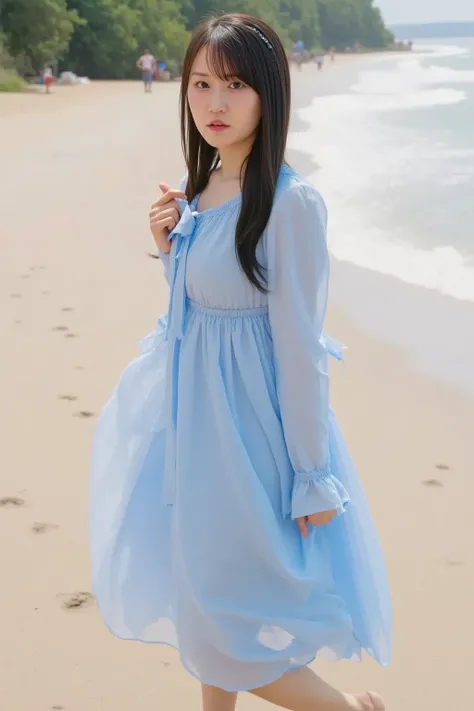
(244, 47)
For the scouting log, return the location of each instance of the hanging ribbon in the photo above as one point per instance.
(181, 235)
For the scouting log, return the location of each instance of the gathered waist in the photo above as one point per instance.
(251, 312)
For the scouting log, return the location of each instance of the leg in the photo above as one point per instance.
(214, 699)
(303, 690)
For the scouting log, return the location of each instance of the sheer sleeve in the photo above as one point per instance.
(298, 275)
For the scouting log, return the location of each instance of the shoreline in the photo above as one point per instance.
(416, 283)
(78, 293)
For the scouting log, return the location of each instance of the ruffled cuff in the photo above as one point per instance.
(317, 491)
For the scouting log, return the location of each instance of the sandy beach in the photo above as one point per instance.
(77, 292)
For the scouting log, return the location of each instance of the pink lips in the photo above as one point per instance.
(217, 126)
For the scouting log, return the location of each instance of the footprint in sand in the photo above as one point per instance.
(45, 293)
(76, 600)
(67, 308)
(84, 414)
(455, 563)
(432, 482)
(69, 398)
(60, 328)
(70, 335)
(18, 322)
(11, 501)
(43, 527)
(25, 276)
(58, 708)
(443, 467)
(79, 367)
(15, 296)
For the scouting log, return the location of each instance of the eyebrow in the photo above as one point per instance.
(200, 74)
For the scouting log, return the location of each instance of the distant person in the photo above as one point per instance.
(147, 64)
(161, 71)
(298, 53)
(332, 53)
(47, 78)
(320, 61)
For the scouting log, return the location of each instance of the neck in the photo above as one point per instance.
(232, 159)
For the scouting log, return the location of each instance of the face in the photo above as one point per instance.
(226, 113)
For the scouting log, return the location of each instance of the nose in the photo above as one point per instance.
(218, 102)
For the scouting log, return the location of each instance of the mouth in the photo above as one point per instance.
(217, 126)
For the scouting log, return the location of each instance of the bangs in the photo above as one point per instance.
(227, 58)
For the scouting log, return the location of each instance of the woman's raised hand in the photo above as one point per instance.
(164, 216)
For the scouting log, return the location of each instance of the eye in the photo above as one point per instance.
(202, 85)
(237, 85)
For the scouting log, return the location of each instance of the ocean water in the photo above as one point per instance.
(394, 149)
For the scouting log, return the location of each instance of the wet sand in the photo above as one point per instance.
(77, 292)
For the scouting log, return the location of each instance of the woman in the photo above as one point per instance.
(227, 519)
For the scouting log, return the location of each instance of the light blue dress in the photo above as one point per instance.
(215, 439)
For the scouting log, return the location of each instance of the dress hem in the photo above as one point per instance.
(291, 668)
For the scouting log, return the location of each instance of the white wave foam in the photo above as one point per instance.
(355, 154)
(413, 99)
(407, 76)
(442, 268)
(442, 50)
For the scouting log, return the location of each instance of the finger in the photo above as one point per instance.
(164, 187)
(172, 208)
(168, 223)
(164, 221)
(164, 215)
(169, 195)
(322, 518)
(303, 526)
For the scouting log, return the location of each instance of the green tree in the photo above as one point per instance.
(115, 32)
(345, 21)
(36, 31)
(102, 45)
(341, 22)
(300, 20)
(374, 32)
(161, 29)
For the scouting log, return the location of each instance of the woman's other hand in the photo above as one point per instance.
(317, 519)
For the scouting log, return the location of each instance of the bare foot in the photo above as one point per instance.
(370, 701)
